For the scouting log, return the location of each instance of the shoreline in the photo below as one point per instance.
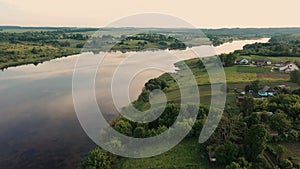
(5, 66)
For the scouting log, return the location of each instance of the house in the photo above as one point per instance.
(258, 62)
(289, 67)
(268, 62)
(243, 62)
(261, 62)
(266, 91)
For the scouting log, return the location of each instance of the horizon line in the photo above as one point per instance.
(99, 27)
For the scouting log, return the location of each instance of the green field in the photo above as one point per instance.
(253, 69)
(187, 155)
(236, 77)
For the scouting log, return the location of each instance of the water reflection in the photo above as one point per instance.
(38, 125)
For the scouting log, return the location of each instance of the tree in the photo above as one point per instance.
(228, 59)
(155, 84)
(197, 128)
(289, 104)
(229, 129)
(247, 88)
(265, 117)
(296, 92)
(124, 127)
(80, 45)
(254, 118)
(34, 50)
(65, 44)
(96, 159)
(256, 139)
(255, 86)
(244, 163)
(115, 144)
(261, 105)
(139, 132)
(280, 150)
(280, 122)
(295, 50)
(227, 153)
(234, 165)
(247, 105)
(295, 76)
(161, 129)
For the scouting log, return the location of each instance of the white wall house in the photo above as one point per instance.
(243, 62)
(268, 62)
(289, 67)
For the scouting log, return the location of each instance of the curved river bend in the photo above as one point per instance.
(38, 126)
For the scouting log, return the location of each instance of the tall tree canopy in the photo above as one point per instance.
(255, 141)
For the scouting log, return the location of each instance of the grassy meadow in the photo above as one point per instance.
(188, 154)
(237, 77)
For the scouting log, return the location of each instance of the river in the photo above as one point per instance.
(38, 126)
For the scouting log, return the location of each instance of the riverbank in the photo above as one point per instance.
(36, 61)
(37, 46)
(183, 155)
(37, 102)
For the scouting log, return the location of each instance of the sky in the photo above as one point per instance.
(202, 14)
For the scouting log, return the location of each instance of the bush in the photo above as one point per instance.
(79, 45)
(295, 76)
(227, 153)
(96, 159)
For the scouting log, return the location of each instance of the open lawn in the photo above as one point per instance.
(188, 155)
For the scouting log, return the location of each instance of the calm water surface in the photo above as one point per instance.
(38, 125)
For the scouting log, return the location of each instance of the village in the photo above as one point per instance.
(286, 67)
(265, 91)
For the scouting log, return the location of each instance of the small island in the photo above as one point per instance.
(142, 42)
